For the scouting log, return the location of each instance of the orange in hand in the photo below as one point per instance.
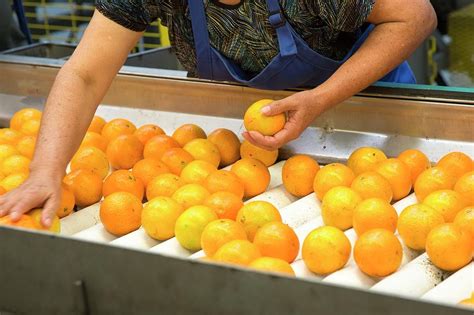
(25, 222)
(255, 120)
(67, 202)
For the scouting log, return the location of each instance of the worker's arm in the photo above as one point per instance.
(400, 27)
(78, 89)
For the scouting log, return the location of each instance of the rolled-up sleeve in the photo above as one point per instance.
(345, 15)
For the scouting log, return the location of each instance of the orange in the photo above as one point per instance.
(176, 159)
(219, 232)
(330, 176)
(465, 220)
(431, 180)
(191, 195)
(159, 217)
(9, 136)
(13, 181)
(253, 174)
(465, 186)
(225, 204)
(270, 264)
(31, 127)
(374, 213)
(22, 116)
(2, 190)
(372, 185)
(91, 159)
(146, 132)
(190, 226)
(256, 214)
(222, 180)
(298, 175)
(196, 172)
(118, 127)
(120, 213)
(338, 206)
(156, 146)
(124, 152)
(188, 132)
(456, 163)
(416, 161)
(94, 139)
(237, 252)
(449, 247)
(26, 146)
(255, 120)
(7, 150)
(204, 149)
(35, 214)
(86, 187)
(415, 222)
(325, 250)
(228, 145)
(447, 202)
(97, 124)
(67, 203)
(378, 253)
(25, 222)
(163, 185)
(147, 169)
(365, 159)
(15, 164)
(248, 150)
(278, 240)
(398, 175)
(123, 180)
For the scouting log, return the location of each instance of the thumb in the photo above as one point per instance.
(49, 210)
(276, 108)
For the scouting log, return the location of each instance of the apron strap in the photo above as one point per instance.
(277, 20)
(201, 38)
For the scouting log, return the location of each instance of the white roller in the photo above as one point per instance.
(80, 220)
(172, 248)
(301, 211)
(96, 233)
(137, 239)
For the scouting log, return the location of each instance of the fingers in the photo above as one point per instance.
(277, 107)
(20, 202)
(270, 142)
(49, 210)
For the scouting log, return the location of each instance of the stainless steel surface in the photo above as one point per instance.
(158, 58)
(43, 50)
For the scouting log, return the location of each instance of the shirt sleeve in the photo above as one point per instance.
(345, 15)
(135, 15)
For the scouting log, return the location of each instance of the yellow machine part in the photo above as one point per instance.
(461, 52)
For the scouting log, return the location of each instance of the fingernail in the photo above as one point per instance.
(47, 222)
(15, 216)
(266, 110)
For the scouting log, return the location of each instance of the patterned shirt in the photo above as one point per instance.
(242, 32)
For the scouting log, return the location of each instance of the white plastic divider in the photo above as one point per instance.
(96, 233)
(138, 239)
(275, 175)
(80, 220)
(301, 211)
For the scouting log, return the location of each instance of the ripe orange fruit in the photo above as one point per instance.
(253, 174)
(7, 150)
(298, 175)
(330, 176)
(91, 159)
(456, 163)
(191, 195)
(219, 232)
(187, 133)
(447, 202)
(278, 240)
(124, 151)
(248, 150)
(365, 159)
(378, 253)
(9, 136)
(465, 186)
(255, 120)
(338, 206)
(416, 161)
(237, 252)
(147, 169)
(228, 145)
(15, 164)
(222, 180)
(2, 190)
(86, 187)
(398, 175)
(465, 220)
(156, 146)
(374, 213)
(31, 127)
(123, 180)
(118, 127)
(97, 124)
(22, 116)
(191, 224)
(163, 185)
(13, 181)
(176, 159)
(372, 185)
(35, 214)
(325, 250)
(94, 139)
(120, 213)
(449, 247)
(25, 222)
(256, 214)
(432, 179)
(225, 204)
(204, 149)
(415, 222)
(196, 172)
(271, 264)
(26, 146)
(146, 132)
(67, 202)
(159, 217)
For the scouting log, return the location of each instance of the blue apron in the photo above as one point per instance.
(296, 65)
